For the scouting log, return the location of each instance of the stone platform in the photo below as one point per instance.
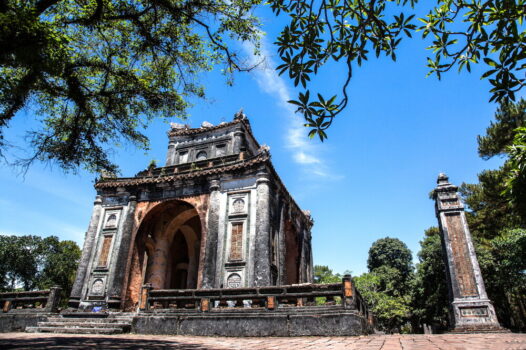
(283, 322)
(376, 342)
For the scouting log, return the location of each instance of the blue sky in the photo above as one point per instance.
(369, 180)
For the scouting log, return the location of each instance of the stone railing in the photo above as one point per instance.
(192, 166)
(342, 295)
(36, 301)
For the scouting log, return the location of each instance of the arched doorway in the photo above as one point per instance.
(167, 248)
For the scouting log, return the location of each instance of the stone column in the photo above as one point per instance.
(210, 258)
(82, 270)
(121, 260)
(262, 239)
(470, 309)
(239, 142)
(157, 272)
(282, 248)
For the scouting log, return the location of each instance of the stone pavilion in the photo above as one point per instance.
(216, 215)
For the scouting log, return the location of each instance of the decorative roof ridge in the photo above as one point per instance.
(193, 131)
(238, 119)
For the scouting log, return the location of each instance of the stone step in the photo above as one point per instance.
(84, 324)
(108, 330)
(91, 320)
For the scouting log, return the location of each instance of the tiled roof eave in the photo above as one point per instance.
(137, 181)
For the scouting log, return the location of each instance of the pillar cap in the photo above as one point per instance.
(214, 185)
(442, 178)
(443, 184)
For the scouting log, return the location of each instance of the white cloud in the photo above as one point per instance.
(16, 223)
(305, 152)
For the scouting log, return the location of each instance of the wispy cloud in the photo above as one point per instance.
(15, 223)
(305, 152)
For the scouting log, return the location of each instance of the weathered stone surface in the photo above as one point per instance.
(329, 323)
(470, 308)
(18, 322)
(213, 217)
(252, 323)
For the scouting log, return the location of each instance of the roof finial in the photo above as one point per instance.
(442, 179)
(240, 114)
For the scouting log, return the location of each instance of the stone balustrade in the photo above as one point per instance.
(343, 295)
(34, 301)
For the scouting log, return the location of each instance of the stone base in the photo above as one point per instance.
(481, 328)
(19, 321)
(254, 323)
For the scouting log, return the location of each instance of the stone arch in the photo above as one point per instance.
(166, 249)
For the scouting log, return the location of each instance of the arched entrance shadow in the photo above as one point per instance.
(167, 248)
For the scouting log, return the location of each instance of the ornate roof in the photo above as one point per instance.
(193, 131)
(186, 171)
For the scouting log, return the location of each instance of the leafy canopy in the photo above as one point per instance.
(390, 252)
(32, 262)
(429, 292)
(462, 32)
(97, 71)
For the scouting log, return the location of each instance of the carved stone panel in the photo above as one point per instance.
(474, 311)
(234, 281)
(236, 241)
(105, 251)
(97, 287)
(462, 262)
(111, 219)
(238, 204)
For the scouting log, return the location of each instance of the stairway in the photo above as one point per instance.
(85, 323)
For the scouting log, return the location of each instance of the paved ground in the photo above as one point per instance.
(377, 342)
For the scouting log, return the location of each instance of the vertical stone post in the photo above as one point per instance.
(262, 240)
(82, 270)
(238, 140)
(145, 292)
(470, 308)
(348, 299)
(170, 155)
(158, 270)
(210, 259)
(204, 305)
(120, 262)
(53, 299)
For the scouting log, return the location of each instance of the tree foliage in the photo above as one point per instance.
(386, 287)
(462, 33)
(390, 252)
(429, 292)
(390, 311)
(516, 176)
(323, 274)
(501, 132)
(497, 201)
(97, 71)
(32, 262)
(490, 210)
(497, 216)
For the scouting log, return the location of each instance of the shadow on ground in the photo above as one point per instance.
(96, 343)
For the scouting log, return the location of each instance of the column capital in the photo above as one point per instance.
(98, 200)
(262, 177)
(215, 185)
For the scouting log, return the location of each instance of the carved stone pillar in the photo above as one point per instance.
(470, 308)
(262, 240)
(120, 262)
(82, 270)
(239, 140)
(157, 272)
(210, 258)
